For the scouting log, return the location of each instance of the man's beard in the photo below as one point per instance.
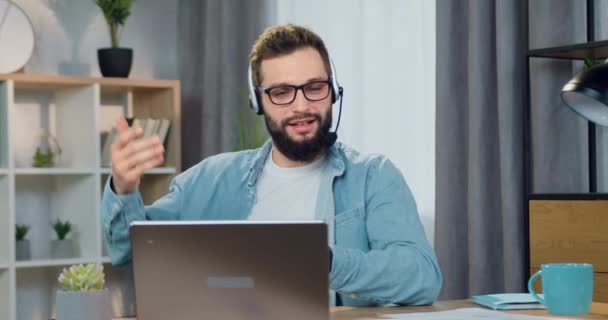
(304, 151)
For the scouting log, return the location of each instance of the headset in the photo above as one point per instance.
(337, 93)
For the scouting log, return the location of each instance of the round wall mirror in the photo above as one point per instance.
(16, 37)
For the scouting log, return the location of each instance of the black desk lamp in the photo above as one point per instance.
(587, 94)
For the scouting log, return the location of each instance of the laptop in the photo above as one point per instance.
(230, 270)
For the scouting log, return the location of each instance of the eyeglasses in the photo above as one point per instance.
(286, 94)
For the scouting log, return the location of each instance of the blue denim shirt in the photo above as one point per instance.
(380, 252)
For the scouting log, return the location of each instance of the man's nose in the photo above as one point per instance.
(300, 103)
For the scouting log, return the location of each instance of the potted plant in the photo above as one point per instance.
(115, 61)
(62, 247)
(22, 246)
(83, 295)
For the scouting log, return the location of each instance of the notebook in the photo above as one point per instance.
(508, 301)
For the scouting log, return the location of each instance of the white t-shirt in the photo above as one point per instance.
(287, 193)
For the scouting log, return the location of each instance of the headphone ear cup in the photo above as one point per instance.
(254, 97)
(334, 96)
(335, 87)
(260, 109)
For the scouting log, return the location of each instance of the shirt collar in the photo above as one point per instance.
(334, 158)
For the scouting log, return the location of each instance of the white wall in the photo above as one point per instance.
(69, 32)
(384, 53)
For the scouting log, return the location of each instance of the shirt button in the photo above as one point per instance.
(116, 207)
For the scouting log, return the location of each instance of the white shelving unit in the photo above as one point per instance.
(75, 110)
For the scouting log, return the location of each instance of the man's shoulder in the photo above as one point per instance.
(355, 160)
(219, 165)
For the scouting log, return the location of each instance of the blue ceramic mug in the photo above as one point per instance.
(567, 287)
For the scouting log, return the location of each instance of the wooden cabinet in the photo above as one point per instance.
(571, 231)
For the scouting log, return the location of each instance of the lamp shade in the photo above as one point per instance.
(587, 94)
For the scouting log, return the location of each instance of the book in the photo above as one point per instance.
(508, 301)
(163, 130)
(106, 160)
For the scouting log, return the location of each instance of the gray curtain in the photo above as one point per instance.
(215, 38)
(481, 70)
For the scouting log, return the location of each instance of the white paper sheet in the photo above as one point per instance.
(463, 314)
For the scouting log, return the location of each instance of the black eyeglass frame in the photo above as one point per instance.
(296, 88)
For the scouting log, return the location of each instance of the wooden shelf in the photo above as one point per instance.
(161, 170)
(581, 51)
(54, 262)
(53, 82)
(54, 171)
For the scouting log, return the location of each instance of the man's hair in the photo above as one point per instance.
(282, 40)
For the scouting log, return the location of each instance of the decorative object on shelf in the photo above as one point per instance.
(84, 295)
(62, 247)
(587, 93)
(47, 153)
(115, 61)
(22, 245)
(16, 37)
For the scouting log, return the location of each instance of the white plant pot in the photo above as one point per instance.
(22, 250)
(62, 249)
(89, 305)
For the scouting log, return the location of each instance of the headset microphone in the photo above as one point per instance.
(332, 135)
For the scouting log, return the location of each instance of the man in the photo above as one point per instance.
(380, 254)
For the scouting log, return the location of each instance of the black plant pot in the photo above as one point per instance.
(115, 62)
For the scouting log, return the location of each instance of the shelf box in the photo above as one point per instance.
(119, 281)
(152, 186)
(41, 199)
(145, 103)
(5, 98)
(67, 113)
(6, 227)
(5, 296)
(36, 291)
(38, 286)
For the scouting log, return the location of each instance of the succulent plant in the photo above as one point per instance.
(62, 228)
(21, 231)
(83, 277)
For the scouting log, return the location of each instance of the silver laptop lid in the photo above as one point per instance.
(231, 270)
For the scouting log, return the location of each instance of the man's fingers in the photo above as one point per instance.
(143, 156)
(141, 145)
(141, 168)
(127, 136)
(121, 124)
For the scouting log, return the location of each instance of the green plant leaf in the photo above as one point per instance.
(115, 13)
(21, 231)
(82, 277)
(62, 228)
